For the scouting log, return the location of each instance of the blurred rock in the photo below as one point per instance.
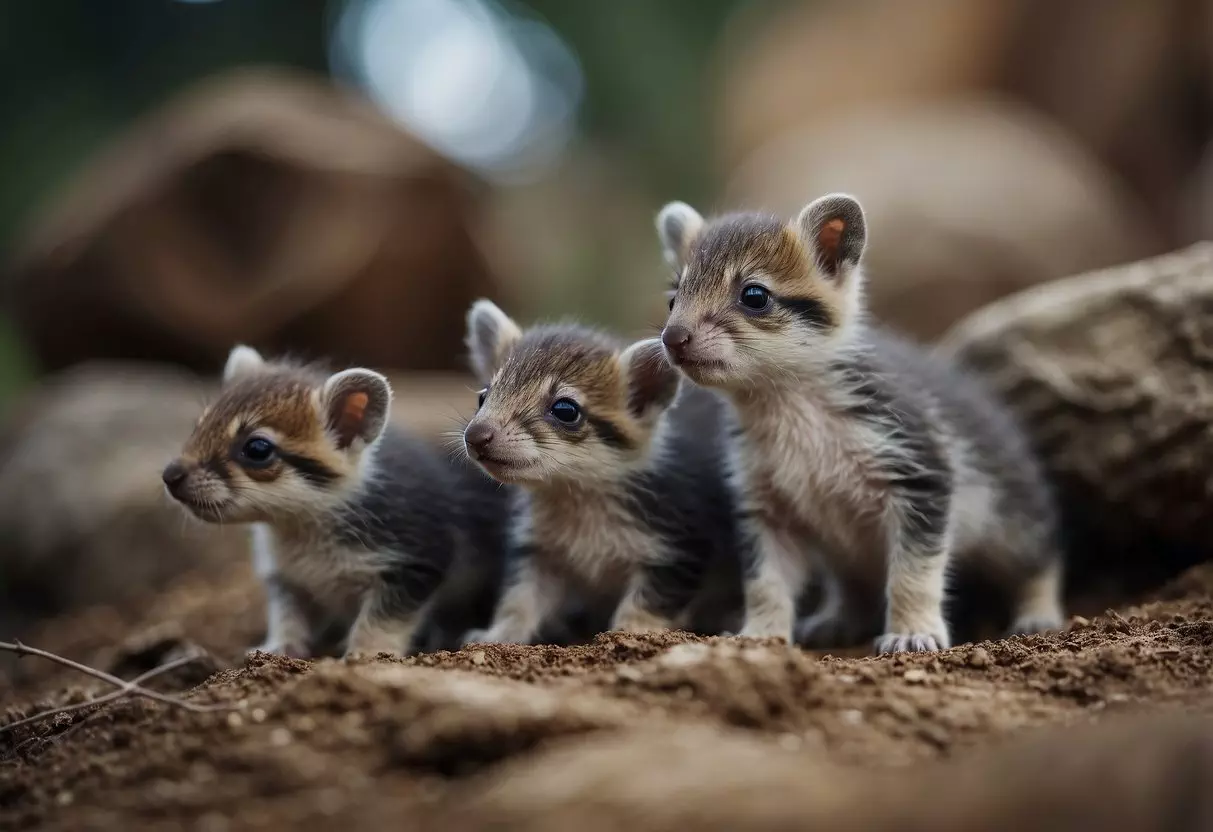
(1131, 82)
(785, 66)
(1110, 374)
(262, 207)
(967, 200)
(83, 514)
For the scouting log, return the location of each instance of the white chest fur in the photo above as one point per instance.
(335, 576)
(595, 538)
(805, 458)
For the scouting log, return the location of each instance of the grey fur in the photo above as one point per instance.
(680, 502)
(867, 465)
(386, 554)
(963, 489)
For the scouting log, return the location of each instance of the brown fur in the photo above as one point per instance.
(281, 401)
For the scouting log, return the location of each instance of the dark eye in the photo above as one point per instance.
(566, 411)
(484, 394)
(755, 297)
(672, 296)
(257, 451)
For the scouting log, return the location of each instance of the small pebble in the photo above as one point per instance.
(64, 798)
(851, 716)
(979, 657)
(258, 715)
(280, 737)
(477, 657)
(235, 720)
(915, 675)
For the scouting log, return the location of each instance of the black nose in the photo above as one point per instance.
(174, 474)
(676, 338)
(478, 435)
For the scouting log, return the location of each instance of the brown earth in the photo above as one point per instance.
(650, 733)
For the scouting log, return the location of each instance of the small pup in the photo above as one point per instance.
(623, 492)
(355, 523)
(863, 457)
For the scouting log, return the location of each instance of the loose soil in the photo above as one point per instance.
(1105, 724)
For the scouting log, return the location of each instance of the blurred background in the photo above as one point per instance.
(340, 178)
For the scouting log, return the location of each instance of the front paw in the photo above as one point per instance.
(370, 647)
(282, 647)
(478, 637)
(750, 631)
(911, 643)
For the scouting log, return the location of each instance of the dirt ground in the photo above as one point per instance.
(1105, 723)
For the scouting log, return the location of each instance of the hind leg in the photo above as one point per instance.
(1038, 605)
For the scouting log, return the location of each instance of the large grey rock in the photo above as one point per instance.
(1112, 374)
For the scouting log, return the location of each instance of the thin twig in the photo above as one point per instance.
(125, 690)
(125, 686)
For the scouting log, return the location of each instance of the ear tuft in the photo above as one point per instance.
(651, 380)
(834, 231)
(356, 404)
(491, 334)
(242, 361)
(678, 224)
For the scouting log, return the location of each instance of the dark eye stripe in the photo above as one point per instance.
(810, 311)
(605, 430)
(311, 469)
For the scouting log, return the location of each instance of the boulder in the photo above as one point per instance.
(1111, 373)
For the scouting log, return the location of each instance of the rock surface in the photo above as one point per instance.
(1110, 372)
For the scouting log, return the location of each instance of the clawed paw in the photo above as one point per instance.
(910, 643)
(477, 637)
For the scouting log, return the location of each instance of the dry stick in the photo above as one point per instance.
(125, 686)
(125, 690)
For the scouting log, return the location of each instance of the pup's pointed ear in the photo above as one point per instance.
(834, 232)
(242, 361)
(652, 382)
(678, 224)
(491, 334)
(355, 404)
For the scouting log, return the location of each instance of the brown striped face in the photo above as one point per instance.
(280, 440)
(561, 403)
(756, 299)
